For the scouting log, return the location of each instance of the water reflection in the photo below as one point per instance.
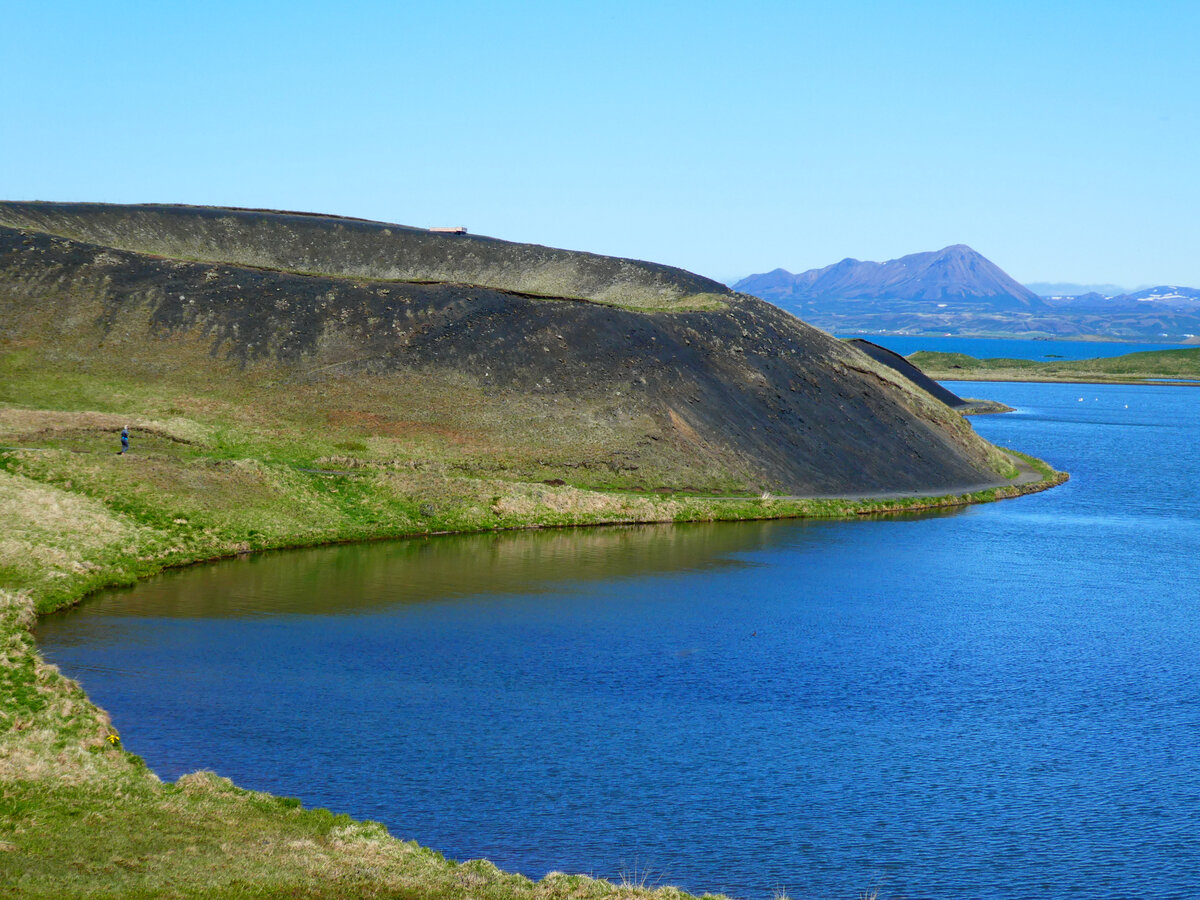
(363, 577)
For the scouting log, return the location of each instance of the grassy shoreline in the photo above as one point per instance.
(79, 816)
(676, 509)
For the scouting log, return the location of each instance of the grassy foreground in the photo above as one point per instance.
(81, 817)
(1148, 366)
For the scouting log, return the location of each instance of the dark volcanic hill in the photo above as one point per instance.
(953, 273)
(897, 362)
(513, 356)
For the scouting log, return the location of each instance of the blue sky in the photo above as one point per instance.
(1062, 140)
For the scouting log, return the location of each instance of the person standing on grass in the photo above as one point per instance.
(125, 439)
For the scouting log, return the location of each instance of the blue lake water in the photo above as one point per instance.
(1011, 348)
(998, 702)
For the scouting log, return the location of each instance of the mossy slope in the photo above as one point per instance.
(302, 242)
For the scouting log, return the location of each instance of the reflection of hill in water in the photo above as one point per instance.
(367, 576)
(361, 577)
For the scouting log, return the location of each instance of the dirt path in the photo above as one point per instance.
(1026, 474)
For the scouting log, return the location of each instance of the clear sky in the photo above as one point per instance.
(1060, 139)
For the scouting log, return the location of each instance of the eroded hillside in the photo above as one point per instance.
(470, 369)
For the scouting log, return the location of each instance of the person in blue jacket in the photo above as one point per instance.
(125, 439)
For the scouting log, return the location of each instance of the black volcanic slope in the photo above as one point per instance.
(736, 393)
(897, 362)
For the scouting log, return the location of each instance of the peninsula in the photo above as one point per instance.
(1147, 367)
(290, 379)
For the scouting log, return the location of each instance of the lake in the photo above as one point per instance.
(996, 702)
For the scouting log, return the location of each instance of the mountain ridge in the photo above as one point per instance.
(1168, 297)
(1074, 289)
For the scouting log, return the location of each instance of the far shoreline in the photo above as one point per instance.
(1026, 338)
(1047, 379)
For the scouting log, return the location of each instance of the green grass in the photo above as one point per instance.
(216, 471)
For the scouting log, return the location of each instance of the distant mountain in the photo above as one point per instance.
(1164, 298)
(1070, 289)
(954, 273)
(1165, 294)
(1167, 297)
(957, 291)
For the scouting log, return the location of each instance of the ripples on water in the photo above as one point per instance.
(999, 702)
